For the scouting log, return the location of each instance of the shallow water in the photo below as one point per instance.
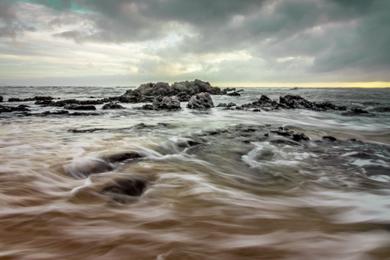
(237, 195)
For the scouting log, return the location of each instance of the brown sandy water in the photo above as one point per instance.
(235, 196)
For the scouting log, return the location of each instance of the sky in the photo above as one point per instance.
(335, 43)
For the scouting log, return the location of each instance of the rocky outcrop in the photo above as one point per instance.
(112, 105)
(167, 103)
(200, 101)
(183, 90)
(288, 102)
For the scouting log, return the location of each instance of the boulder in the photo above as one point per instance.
(169, 103)
(200, 101)
(112, 105)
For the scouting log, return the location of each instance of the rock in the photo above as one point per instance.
(234, 93)
(14, 100)
(120, 157)
(329, 138)
(43, 98)
(298, 137)
(131, 186)
(382, 109)
(294, 101)
(79, 107)
(169, 103)
(20, 108)
(200, 101)
(356, 112)
(112, 105)
(1, 98)
(228, 105)
(183, 90)
(147, 107)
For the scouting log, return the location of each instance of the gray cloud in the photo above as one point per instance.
(289, 39)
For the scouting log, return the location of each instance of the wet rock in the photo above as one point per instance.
(282, 132)
(43, 98)
(234, 94)
(228, 105)
(83, 167)
(294, 101)
(57, 112)
(1, 98)
(356, 112)
(79, 107)
(112, 105)
(382, 109)
(183, 90)
(14, 100)
(168, 103)
(298, 137)
(147, 107)
(200, 101)
(131, 186)
(20, 108)
(120, 157)
(329, 138)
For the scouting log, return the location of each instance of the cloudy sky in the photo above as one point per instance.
(227, 42)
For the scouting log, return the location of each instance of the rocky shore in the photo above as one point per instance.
(195, 94)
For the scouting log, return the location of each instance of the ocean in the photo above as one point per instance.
(220, 184)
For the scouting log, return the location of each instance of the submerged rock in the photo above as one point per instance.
(168, 103)
(120, 157)
(200, 101)
(357, 112)
(20, 108)
(329, 138)
(131, 186)
(112, 105)
(79, 107)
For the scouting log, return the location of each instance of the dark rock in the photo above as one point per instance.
(43, 98)
(14, 100)
(147, 107)
(382, 109)
(20, 108)
(298, 137)
(79, 107)
(168, 103)
(356, 112)
(233, 93)
(228, 105)
(294, 101)
(1, 98)
(132, 186)
(200, 101)
(329, 138)
(183, 90)
(112, 105)
(120, 157)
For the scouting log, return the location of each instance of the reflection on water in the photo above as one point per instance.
(234, 193)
